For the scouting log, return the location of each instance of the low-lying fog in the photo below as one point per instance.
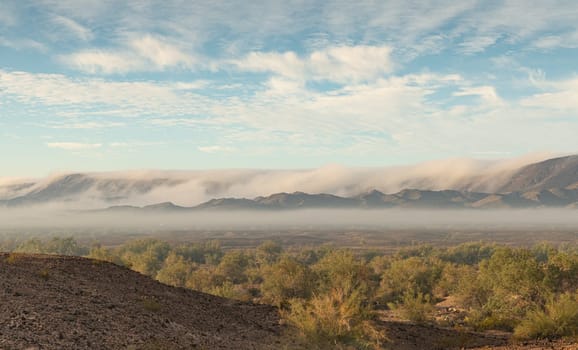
(528, 219)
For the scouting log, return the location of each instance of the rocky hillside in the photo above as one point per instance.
(55, 302)
(552, 173)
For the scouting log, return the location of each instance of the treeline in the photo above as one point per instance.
(332, 296)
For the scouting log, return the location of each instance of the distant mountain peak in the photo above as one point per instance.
(419, 187)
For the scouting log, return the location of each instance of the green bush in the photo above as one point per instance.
(268, 253)
(145, 255)
(416, 307)
(333, 320)
(341, 269)
(208, 252)
(175, 270)
(56, 245)
(468, 253)
(412, 275)
(233, 266)
(559, 318)
(285, 280)
(204, 279)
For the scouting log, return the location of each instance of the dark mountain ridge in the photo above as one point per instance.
(550, 183)
(410, 198)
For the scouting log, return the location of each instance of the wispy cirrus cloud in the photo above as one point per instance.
(86, 125)
(230, 28)
(487, 93)
(143, 53)
(88, 93)
(73, 146)
(70, 28)
(215, 149)
(559, 96)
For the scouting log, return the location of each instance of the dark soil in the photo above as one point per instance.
(56, 302)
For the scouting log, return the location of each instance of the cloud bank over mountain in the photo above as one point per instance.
(189, 188)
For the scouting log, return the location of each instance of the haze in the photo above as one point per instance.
(536, 219)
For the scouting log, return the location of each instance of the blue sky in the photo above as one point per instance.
(111, 85)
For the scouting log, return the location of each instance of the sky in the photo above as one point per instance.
(98, 85)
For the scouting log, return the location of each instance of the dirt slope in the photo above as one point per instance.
(55, 302)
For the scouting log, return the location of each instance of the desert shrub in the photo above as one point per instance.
(268, 253)
(308, 256)
(12, 258)
(558, 318)
(151, 304)
(412, 275)
(175, 271)
(233, 266)
(500, 312)
(415, 307)
(208, 252)
(44, 274)
(101, 253)
(561, 272)
(543, 251)
(231, 291)
(455, 280)
(508, 285)
(468, 287)
(204, 279)
(65, 246)
(340, 269)
(56, 245)
(144, 255)
(31, 246)
(515, 272)
(379, 264)
(334, 319)
(287, 279)
(419, 251)
(468, 253)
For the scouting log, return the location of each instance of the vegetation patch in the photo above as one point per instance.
(151, 304)
(335, 297)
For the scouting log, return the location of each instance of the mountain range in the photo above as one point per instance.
(548, 183)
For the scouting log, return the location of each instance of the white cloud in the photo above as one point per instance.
(142, 53)
(22, 44)
(73, 146)
(215, 149)
(468, 26)
(565, 40)
(402, 115)
(84, 125)
(134, 144)
(341, 64)
(73, 28)
(561, 96)
(106, 62)
(127, 99)
(487, 93)
(162, 54)
(478, 44)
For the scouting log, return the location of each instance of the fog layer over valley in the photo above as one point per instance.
(313, 219)
(189, 188)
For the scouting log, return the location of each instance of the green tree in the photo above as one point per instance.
(175, 271)
(287, 279)
(233, 266)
